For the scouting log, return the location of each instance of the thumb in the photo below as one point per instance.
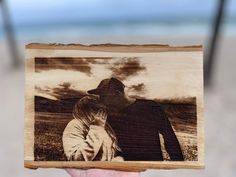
(76, 172)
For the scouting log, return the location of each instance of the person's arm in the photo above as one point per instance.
(170, 140)
(78, 146)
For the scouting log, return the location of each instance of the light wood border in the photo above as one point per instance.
(122, 166)
(115, 47)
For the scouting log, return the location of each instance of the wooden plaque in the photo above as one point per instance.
(123, 107)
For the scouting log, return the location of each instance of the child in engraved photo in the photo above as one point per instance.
(88, 137)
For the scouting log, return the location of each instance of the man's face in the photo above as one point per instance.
(110, 99)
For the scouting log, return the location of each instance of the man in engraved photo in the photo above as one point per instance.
(137, 124)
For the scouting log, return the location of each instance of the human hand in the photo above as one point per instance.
(99, 118)
(101, 173)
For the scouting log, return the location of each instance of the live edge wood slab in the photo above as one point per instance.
(153, 120)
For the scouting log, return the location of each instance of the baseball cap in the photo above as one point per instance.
(108, 85)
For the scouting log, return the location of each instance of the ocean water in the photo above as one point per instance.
(110, 20)
(71, 32)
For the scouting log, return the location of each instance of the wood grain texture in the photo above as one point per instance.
(121, 166)
(112, 50)
(115, 47)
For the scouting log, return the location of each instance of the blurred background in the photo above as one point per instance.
(175, 22)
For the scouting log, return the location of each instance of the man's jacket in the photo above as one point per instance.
(137, 129)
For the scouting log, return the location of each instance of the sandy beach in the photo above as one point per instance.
(220, 101)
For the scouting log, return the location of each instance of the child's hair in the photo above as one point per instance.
(91, 104)
(87, 105)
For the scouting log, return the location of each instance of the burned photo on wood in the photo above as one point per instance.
(114, 109)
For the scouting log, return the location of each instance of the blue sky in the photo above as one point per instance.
(35, 11)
